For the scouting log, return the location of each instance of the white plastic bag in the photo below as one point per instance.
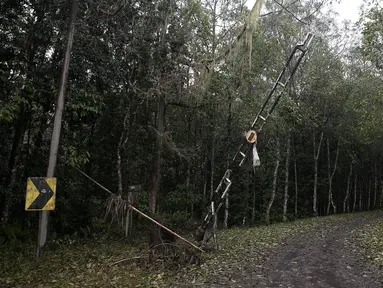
(256, 160)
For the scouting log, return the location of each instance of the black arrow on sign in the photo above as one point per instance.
(45, 191)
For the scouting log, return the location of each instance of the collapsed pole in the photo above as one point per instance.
(143, 214)
(248, 145)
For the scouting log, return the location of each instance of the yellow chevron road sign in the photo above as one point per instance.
(41, 194)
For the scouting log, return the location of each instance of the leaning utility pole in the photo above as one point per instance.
(43, 219)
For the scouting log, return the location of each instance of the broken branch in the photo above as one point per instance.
(143, 214)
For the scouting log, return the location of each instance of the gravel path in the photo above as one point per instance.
(328, 257)
(322, 257)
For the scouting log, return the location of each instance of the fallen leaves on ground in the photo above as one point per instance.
(79, 264)
(110, 263)
(244, 248)
(372, 242)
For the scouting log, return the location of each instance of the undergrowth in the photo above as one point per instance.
(76, 263)
(72, 262)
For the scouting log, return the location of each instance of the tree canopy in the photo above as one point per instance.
(159, 95)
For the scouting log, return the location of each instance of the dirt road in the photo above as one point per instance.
(327, 256)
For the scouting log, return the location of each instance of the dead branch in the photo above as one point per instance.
(278, 11)
(184, 105)
(291, 13)
(126, 259)
(142, 213)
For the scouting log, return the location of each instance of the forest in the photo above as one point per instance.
(158, 97)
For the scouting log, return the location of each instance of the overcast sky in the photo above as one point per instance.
(347, 9)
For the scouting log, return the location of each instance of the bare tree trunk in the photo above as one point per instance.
(120, 147)
(188, 175)
(316, 157)
(375, 189)
(253, 204)
(345, 200)
(369, 196)
(354, 204)
(156, 171)
(331, 175)
(296, 184)
(214, 47)
(381, 194)
(360, 200)
(157, 159)
(287, 166)
(274, 188)
(212, 171)
(226, 218)
(205, 184)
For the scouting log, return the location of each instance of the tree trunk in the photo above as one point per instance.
(354, 204)
(369, 196)
(226, 218)
(296, 184)
(331, 175)
(360, 200)
(345, 200)
(253, 204)
(187, 184)
(375, 189)
(287, 166)
(212, 171)
(156, 171)
(120, 147)
(316, 157)
(381, 194)
(274, 188)
(205, 185)
(154, 236)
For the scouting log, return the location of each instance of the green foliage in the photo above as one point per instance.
(12, 237)
(74, 263)
(122, 64)
(373, 36)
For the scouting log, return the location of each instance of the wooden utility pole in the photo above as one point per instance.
(43, 219)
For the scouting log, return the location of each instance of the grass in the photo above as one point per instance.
(71, 263)
(92, 263)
